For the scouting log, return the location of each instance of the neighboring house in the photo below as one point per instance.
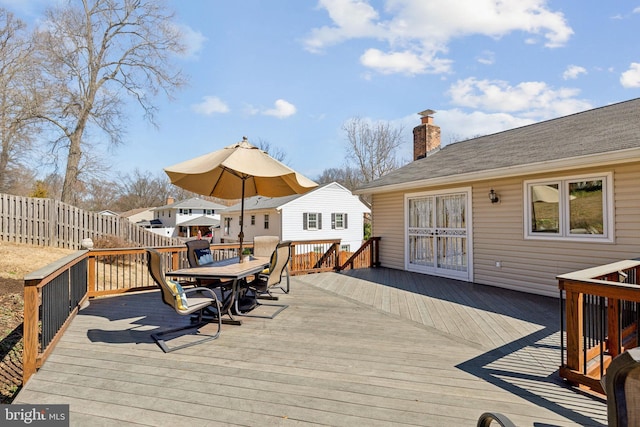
(327, 212)
(140, 216)
(186, 218)
(108, 212)
(516, 208)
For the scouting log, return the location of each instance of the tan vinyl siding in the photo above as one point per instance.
(498, 233)
(388, 223)
(532, 265)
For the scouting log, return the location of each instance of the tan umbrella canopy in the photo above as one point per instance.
(238, 170)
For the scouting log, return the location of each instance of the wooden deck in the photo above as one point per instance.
(373, 347)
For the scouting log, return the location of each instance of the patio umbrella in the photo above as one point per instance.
(238, 170)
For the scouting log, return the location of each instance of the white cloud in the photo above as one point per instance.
(457, 125)
(193, 40)
(417, 32)
(534, 100)
(282, 109)
(631, 77)
(636, 10)
(210, 105)
(573, 71)
(402, 62)
(487, 58)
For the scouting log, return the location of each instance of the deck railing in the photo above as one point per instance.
(54, 294)
(368, 255)
(599, 315)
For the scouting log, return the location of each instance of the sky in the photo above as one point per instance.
(291, 72)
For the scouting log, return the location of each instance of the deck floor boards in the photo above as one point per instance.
(373, 347)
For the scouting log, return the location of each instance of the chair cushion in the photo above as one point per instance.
(203, 256)
(181, 297)
(271, 263)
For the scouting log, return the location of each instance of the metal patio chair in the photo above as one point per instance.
(261, 285)
(175, 297)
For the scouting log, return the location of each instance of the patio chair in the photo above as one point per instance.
(199, 254)
(264, 246)
(175, 297)
(622, 386)
(248, 297)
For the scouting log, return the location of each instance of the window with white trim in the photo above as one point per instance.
(570, 208)
(266, 221)
(338, 221)
(227, 226)
(312, 221)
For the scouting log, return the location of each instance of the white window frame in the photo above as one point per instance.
(266, 221)
(315, 221)
(340, 221)
(608, 210)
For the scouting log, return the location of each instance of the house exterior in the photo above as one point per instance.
(327, 212)
(516, 208)
(186, 218)
(139, 215)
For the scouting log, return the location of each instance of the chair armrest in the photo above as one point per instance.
(486, 419)
(202, 289)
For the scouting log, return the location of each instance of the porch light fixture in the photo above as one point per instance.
(493, 196)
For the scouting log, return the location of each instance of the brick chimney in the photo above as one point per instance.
(426, 136)
(170, 200)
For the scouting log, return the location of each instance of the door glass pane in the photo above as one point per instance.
(421, 213)
(421, 250)
(451, 211)
(586, 207)
(452, 253)
(545, 208)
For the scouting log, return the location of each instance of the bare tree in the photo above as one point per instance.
(372, 147)
(95, 53)
(142, 190)
(100, 195)
(275, 152)
(347, 176)
(17, 98)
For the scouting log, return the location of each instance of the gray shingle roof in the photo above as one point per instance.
(193, 203)
(261, 202)
(601, 130)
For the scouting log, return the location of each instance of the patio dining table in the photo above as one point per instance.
(230, 269)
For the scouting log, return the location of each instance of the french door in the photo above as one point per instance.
(437, 235)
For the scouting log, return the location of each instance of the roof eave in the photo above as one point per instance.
(592, 160)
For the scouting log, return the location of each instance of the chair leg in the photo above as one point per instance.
(247, 313)
(159, 337)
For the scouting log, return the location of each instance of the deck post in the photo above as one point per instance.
(614, 334)
(30, 329)
(574, 311)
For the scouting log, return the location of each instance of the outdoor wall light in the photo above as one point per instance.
(493, 196)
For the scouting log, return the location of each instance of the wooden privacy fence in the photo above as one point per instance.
(48, 222)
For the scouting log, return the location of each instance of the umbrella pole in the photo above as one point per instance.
(241, 235)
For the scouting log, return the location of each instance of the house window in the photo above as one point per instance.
(312, 221)
(345, 248)
(338, 221)
(227, 226)
(266, 221)
(572, 208)
(253, 220)
(209, 212)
